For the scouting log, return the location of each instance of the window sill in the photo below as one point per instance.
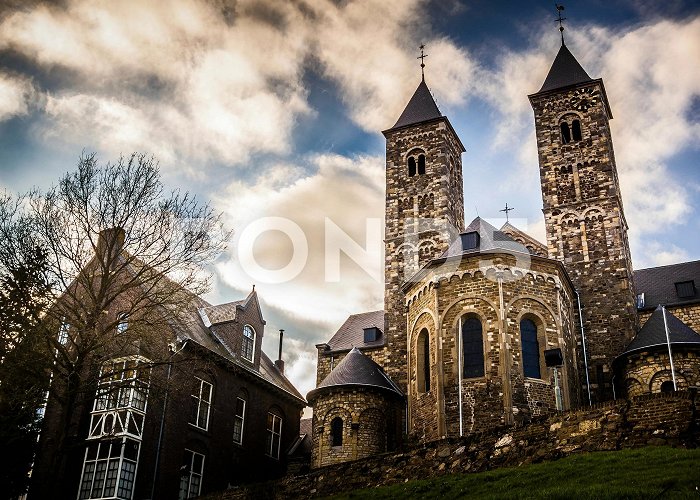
(198, 428)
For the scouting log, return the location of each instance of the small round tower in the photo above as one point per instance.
(357, 412)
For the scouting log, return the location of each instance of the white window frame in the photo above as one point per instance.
(122, 323)
(248, 343)
(201, 402)
(115, 468)
(271, 434)
(63, 332)
(239, 421)
(186, 490)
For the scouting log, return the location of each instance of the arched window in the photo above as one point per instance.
(337, 432)
(667, 386)
(531, 348)
(421, 164)
(248, 345)
(576, 130)
(411, 166)
(565, 133)
(472, 348)
(423, 361)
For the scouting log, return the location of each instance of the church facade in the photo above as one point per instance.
(486, 326)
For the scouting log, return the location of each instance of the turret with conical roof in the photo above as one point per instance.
(584, 216)
(424, 208)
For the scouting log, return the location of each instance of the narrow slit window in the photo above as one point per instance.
(421, 164)
(531, 348)
(411, 166)
(472, 348)
(337, 432)
(576, 130)
(423, 361)
(565, 133)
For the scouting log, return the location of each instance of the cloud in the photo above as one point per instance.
(16, 96)
(656, 253)
(349, 192)
(651, 86)
(176, 83)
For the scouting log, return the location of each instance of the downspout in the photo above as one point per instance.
(162, 417)
(583, 342)
(459, 376)
(668, 342)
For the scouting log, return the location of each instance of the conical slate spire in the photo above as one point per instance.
(420, 108)
(653, 333)
(565, 71)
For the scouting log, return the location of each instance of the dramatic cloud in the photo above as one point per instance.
(16, 96)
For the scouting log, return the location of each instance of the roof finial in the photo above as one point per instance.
(506, 210)
(422, 57)
(560, 8)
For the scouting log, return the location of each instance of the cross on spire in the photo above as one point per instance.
(506, 210)
(422, 57)
(560, 20)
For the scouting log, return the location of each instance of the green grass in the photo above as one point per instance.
(654, 472)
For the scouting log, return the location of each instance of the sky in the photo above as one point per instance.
(272, 111)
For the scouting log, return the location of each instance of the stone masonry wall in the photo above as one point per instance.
(369, 418)
(503, 394)
(585, 222)
(423, 214)
(646, 371)
(658, 419)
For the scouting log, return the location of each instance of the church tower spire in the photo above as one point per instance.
(584, 216)
(424, 209)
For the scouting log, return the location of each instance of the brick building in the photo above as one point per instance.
(195, 407)
(485, 326)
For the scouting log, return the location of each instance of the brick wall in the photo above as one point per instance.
(644, 372)
(658, 419)
(688, 314)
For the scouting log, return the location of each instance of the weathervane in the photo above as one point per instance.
(506, 210)
(561, 20)
(422, 57)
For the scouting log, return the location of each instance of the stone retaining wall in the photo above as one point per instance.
(655, 419)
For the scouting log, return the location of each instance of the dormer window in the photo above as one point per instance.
(685, 289)
(416, 164)
(470, 241)
(248, 345)
(371, 334)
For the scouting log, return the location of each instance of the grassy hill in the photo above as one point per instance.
(653, 472)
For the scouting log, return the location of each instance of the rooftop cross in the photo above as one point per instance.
(506, 210)
(422, 57)
(560, 20)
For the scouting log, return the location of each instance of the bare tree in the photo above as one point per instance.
(123, 261)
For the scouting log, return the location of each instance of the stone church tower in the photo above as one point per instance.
(424, 209)
(584, 217)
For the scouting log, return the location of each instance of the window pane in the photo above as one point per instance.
(473, 348)
(530, 349)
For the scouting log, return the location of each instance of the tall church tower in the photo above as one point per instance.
(584, 217)
(424, 209)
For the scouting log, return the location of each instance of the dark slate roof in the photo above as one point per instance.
(356, 369)
(351, 333)
(653, 333)
(565, 71)
(420, 108)
(658, 283)
(490, 239)
(303, 444)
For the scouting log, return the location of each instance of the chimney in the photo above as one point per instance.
(279, 363)
(110, 243)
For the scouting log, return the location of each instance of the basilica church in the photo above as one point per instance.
(486, 326)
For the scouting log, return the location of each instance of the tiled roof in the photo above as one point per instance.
(565, 71)
(658, 283)
(420, 108)
(351, 333)
(653, 333)
(490, 239)
(356, 369)
(222, 313)
(512, 231)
